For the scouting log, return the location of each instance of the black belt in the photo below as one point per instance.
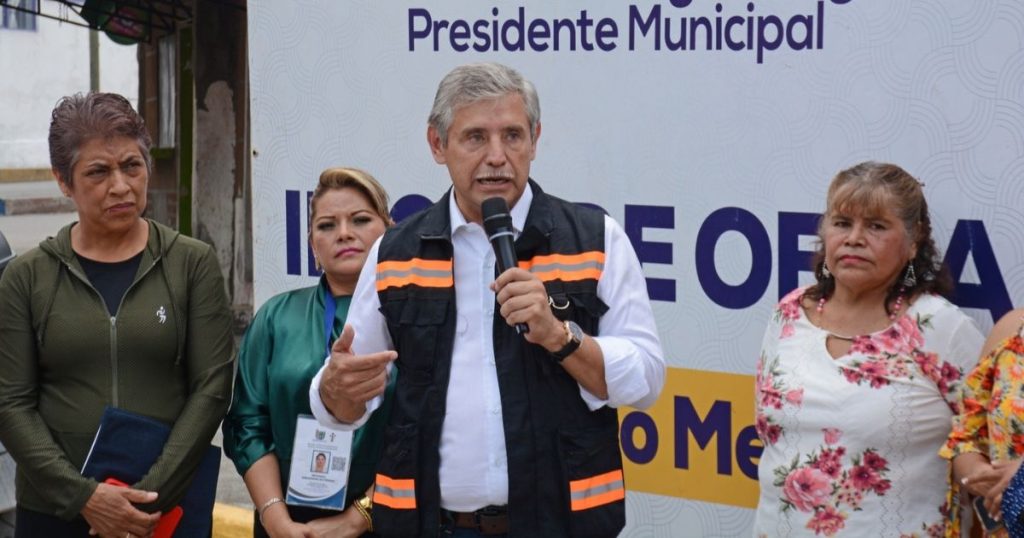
(489, 520)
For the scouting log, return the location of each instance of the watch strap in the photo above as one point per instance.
(570, 347)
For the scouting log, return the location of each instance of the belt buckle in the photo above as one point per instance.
(491, 520)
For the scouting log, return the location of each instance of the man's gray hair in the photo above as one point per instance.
(470, 83)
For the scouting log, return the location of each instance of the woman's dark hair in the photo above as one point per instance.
(81, 117)
(868, 189)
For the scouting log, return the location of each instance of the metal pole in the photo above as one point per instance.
(94, 60)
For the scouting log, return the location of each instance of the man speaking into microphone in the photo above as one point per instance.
(494, 431)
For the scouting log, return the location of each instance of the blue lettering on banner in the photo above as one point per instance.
(749, 291)
(692, 433)
(514, 34)
(792, 260)
(292, 231)
(717, 423)
(700, 425)
(295, 234)
(407, 205)
(651, 26)
(638, 217)
(748, 449)
(311, 269)
(969, 239)
(638, 420)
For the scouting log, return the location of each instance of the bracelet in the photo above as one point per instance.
(360, 506)
(263, 508)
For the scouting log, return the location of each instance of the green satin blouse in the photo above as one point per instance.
(282, 350)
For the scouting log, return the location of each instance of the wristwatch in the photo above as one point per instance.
(573, 339)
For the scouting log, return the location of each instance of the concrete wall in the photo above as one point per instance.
(39, 67)
(220, 189)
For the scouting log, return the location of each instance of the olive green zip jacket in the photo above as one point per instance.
(167, 354)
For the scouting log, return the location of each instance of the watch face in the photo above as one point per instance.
(575, 339)
(575, 331)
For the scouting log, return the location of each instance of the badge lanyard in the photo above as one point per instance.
(318, 475)
(330, 308)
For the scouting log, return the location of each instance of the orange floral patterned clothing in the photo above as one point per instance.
(991, 416)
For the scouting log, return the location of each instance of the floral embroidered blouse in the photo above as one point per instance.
(991, 417)
(850, 443)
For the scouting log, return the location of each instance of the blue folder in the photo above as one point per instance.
(127, 445)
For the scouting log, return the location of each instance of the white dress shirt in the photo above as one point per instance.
(474, 466)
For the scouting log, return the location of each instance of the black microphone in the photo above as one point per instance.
(498, 226)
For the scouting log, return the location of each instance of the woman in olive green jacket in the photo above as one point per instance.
(116, 310)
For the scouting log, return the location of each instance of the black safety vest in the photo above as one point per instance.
(564, 466)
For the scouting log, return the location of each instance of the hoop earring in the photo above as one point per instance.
(909, 277)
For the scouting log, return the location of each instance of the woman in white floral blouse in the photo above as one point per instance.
(857, 373)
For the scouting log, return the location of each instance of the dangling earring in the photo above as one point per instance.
(909, 277)
(316, 263)
(825, 273)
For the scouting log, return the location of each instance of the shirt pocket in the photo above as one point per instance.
(593, 481)
(416, 325)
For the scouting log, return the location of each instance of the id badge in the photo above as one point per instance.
(321, 459)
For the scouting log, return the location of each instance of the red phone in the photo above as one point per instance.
(168, 521)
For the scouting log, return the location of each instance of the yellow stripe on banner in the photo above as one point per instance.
(697, 441)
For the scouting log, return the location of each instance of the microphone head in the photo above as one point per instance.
(496, 215)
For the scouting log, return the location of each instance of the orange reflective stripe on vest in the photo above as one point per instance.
(395, 493)
(417, 271)
(597, 490)
(566, 268)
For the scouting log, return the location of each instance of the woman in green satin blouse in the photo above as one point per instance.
(285, 347)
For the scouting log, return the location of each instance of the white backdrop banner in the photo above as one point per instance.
(709, 130)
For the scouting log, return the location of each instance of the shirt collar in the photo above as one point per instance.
(519, 211)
